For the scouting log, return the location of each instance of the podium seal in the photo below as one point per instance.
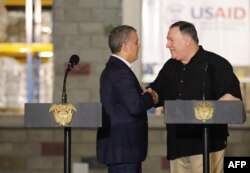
(63, 113)
(203, 110)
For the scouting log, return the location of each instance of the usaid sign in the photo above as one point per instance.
(222, 26)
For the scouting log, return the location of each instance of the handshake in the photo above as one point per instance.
(153, 94)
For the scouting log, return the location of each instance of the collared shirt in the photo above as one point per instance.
(208, 76)
(123, 60)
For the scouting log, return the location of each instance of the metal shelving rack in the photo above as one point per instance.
(29, 52)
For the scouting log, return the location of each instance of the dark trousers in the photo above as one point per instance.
(125, 168)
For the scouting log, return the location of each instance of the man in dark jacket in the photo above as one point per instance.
(193, 73)
(123, 138)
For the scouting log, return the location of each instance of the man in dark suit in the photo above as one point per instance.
(123, 138)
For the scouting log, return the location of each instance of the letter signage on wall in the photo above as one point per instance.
(222, 26)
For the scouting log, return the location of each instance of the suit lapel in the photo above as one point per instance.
(120, 63)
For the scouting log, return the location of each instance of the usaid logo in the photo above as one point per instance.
(178, 11)
(241, 164)
(174, 12)
(236, 13)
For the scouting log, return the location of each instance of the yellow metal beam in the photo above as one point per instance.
(19, 50)
(23, 2)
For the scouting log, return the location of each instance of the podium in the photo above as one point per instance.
(85, 115)
(204, 112)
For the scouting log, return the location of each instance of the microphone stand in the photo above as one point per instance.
(206, 164)
(206, 152)
(64, 94)
(67, 130)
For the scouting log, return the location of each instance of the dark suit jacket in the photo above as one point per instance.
(123, 137)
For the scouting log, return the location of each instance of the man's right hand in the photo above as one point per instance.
(153, 94)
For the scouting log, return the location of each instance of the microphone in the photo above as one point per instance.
(205, 69)
(203, 82)
(74, 60)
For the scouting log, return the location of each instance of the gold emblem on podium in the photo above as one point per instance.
(63, 113)
(203, 110)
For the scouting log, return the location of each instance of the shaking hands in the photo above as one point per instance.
(153, 94)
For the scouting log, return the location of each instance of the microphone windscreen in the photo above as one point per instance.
(74, 60)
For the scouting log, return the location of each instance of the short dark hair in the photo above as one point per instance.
(187, 28)
(119, 35)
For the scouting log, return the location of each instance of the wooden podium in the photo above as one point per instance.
(85, 115)
(204, 112)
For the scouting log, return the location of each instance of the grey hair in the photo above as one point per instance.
(118, 36)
